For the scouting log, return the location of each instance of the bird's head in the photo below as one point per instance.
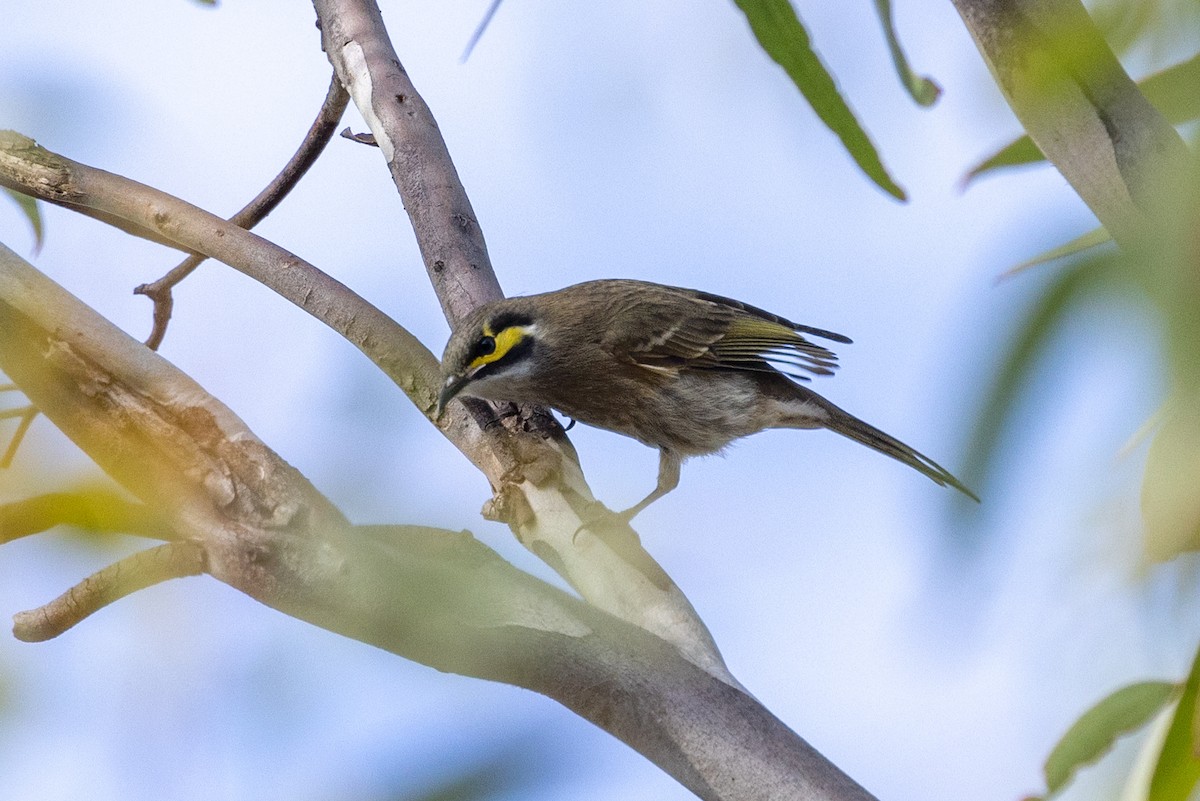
(490, 352)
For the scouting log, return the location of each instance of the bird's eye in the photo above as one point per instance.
(485, 346)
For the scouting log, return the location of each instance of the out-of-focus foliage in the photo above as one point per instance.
(32, 213)
(1080, 244)
(1075, 287)
(1178, 769)
(503, 774)
(922, 88)
(784, 38)
(1172, 91)
(1093, 735)
(1157, 269)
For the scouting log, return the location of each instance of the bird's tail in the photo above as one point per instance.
(849, 426)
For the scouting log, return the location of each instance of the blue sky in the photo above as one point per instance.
(596, 140)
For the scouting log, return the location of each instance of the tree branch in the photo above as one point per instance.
(540, 489)
(253, 522)
(543, 496)
(137, 572)
(254, 212)
(1080, 107)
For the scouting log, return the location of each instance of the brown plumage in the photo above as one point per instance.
(680, 370)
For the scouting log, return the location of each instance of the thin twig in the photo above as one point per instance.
(483, 24)
(256, 210)
(27, 415)
(155, 215)
(142, 569)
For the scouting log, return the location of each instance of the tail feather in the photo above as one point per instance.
(849, 426)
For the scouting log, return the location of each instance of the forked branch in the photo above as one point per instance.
(318, 136)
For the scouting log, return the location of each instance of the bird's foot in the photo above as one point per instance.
(602, 521)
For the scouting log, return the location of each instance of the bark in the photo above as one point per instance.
(232, 508)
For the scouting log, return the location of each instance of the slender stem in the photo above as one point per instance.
(142, 569)
(318, 136)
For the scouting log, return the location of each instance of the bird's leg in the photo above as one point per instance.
(668, 479)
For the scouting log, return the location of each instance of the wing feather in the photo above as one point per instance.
(666, 329)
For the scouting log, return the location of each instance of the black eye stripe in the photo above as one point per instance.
(515, 354)
(508, 320)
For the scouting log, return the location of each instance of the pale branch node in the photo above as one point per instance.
(540, 469)
(521, 455)
(438, 597)
(318, 136)
(136, 572)
(93, 511)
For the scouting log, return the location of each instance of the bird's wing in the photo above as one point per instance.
(709, 331)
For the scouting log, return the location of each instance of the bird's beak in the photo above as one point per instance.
(452, 387)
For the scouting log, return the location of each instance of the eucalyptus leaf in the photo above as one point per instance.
(922, 89)
(1172, 92)
(1065, 291)
(782, 35)
(1094, 238)
(1094, 734)
(32, 213)
(1178, 767)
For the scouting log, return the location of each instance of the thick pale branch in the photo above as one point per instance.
(137, 572)
(448, 234)
(437, 597)
(544, 495)
(539, 484)
(318, 136)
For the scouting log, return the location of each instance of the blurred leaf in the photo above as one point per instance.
(479, 29)
(1091, 239)
(1094, 734)
(1172, 92)
(32, 213)
(1170, 500)
(1031, 337)
(1178, 767)
(923, 89)
(1124, 23)
(782, 35)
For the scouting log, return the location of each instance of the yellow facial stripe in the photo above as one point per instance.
(505, 341)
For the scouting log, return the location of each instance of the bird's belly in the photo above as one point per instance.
(693, 413)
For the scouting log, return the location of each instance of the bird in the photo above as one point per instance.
(681, 370)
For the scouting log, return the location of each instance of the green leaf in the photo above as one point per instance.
(1178, 768)
(1031, 337)
(1014, 154)
(783, 37)
(1094, 734)
(1092, 239)
(32, 213)
(923, 89)
(1172, 92)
